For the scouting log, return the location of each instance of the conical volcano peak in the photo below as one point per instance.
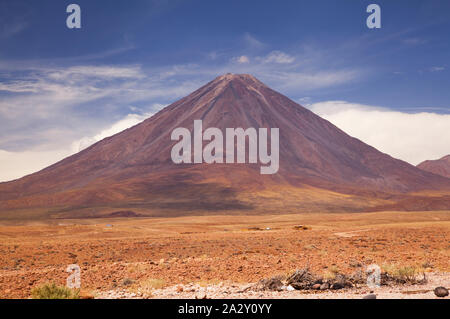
(135, 168)
(246, 79)
(232, 76)
(226, 89)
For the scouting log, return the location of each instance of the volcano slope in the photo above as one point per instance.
(321, 167)
(439, 167)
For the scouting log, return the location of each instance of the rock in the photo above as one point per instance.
(126, 282)
(316, 286)
(337, 286)
(300, 227)
(86, 295)
(370, 296)
(273, 284)
(290, 288)
(441, 292)
(324, 286)
(301, 285)
(301, 279)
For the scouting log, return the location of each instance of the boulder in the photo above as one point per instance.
(441, 292)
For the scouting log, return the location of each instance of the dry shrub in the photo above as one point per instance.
(152, 283)
(402, 275)
(272, 284)
(302, 279)
(52, 291)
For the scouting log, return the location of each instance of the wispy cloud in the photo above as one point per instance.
(8, 30)
(241, 59)
(14, 18)
(278, 57)
(51, 112)
(252, 42)
(414, 41)
(78, 98)
(437, 68)
(127, 122)
(18, 164)
(314, 80)
(74, 101)
(96, 72)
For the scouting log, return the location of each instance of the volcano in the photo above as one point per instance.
(439, 167)
(321, 168)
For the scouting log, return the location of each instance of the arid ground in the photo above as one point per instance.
(141, 255)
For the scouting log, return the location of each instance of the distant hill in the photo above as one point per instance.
(439, 167)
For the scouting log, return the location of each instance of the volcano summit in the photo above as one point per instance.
(321, 168)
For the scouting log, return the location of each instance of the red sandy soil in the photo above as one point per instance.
(164, 252)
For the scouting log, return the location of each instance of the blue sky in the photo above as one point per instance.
(63, 89)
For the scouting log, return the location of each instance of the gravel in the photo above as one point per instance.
(240, 291)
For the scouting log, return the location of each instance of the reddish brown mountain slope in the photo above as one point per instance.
(439, 167)
(321, 167)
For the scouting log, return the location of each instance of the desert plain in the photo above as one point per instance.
(183, 256)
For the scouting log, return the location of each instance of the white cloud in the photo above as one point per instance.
(75, 101)
(278, 57)
(18, 164)
(129, 121)
(49, 113)
(412, 137)
(100, 72)
(305, 101)
(312, 80)
(242, 59)
(57, 79)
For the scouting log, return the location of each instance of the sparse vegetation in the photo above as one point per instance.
(209, 282)
(331, 273)
(146, 286)
(152, 283)
(127, 282)
(334, 279)
(52, 291)
(402, 274)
